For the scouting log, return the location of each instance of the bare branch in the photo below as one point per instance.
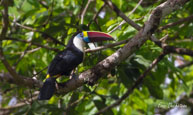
(185, 65)
(123, 22)
(96, 15)
(84, 11)
(50, 15)
(28, 51)
(171, 49)
(21, 56)
(180, 21)
(43, 3)
(27, 81)
(19, 104)
(43, 33)
(122, 15)
(33, 43)
(130, 90)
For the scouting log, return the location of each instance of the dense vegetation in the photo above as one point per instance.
(156, 76)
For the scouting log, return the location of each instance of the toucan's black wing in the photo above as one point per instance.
(64, 62)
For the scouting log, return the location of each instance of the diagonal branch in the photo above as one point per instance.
(43, 33)
(84, 11)
(186, 65)
(32, 43)
(171, 49)
(96, 15)
(180, 21)
(123, 22)
(103, 67)
(121, 14)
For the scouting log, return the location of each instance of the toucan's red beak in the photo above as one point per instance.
(90, 36)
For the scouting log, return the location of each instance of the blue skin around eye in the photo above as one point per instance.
(86, 39)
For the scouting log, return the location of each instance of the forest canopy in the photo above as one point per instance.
(148, 69)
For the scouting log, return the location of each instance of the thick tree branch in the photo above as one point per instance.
(103, 67)
(130, 90)
(27, 82)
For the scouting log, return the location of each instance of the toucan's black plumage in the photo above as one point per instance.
(67, 60)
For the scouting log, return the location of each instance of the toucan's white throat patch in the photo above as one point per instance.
(79, 43)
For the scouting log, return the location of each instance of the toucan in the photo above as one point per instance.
(67, 60)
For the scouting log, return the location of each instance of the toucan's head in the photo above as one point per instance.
(89, 36)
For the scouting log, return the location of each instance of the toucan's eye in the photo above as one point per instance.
(81, 35)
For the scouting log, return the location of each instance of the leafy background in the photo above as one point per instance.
(59, 19)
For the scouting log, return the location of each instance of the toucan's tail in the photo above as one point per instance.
(48, 89)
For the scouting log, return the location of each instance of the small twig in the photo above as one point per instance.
(22, 55)
(99, 28)
(123, 22)
(180, 21)
(96, 15)
(122, 15)
(39, 72)
(75, 102)
(43, 33)
(84, 11)
(130, 90)
(33, 43)
(50, 15)
(185, 65)
(181, 41)
(171, 49)
(28, 51)
(43, 3)
(107, 46)
(19, 104)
